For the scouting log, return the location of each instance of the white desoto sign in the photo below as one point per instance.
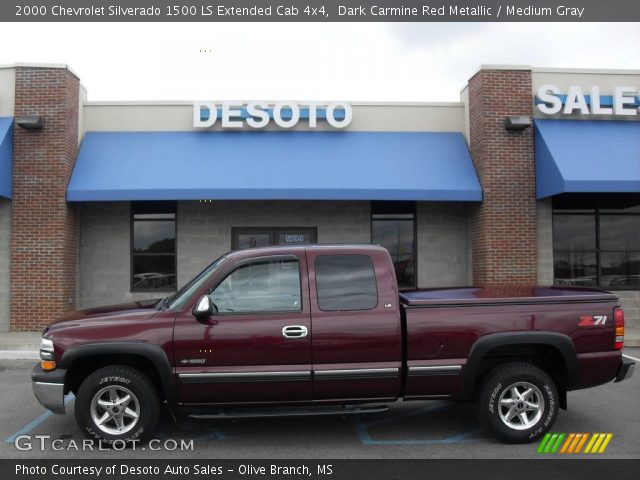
(285, 114)
(551, 101)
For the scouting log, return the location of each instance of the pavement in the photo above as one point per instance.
(433, 429)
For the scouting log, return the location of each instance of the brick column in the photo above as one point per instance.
(43, 227)
(503, 232)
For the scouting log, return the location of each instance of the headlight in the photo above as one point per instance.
(47, 357)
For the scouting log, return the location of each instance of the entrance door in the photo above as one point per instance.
(265, 237)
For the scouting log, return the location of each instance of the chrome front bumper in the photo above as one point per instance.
(48, 387)
(626, 370)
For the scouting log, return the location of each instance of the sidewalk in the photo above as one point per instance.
(19, 345)
(25, 345)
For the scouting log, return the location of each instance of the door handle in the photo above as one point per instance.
(294, 331)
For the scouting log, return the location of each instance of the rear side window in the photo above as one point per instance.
(346, 282)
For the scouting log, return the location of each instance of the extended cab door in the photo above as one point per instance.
(257, 348)
(357, 343)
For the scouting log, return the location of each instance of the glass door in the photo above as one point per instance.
(264, 237)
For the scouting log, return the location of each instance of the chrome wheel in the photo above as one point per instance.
(521, 406)
(115, 410)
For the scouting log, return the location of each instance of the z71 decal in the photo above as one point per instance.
(590, 321)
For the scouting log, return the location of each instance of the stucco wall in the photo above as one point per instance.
(7, 91)
(5, 249)
(178, 116)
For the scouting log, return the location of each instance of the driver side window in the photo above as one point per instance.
(263, 286)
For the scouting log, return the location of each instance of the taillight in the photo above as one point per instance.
(618, 321)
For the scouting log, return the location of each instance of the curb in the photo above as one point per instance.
(19, 355)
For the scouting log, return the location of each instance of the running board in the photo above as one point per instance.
(298, 412)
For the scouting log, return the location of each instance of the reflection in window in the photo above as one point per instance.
(393, 227)
(153, 256)
(596, 241)
(266, 286)
(574, 232)
(575, 268)
(346, 282)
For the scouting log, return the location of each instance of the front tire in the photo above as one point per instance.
(117, 403)
(519, 402)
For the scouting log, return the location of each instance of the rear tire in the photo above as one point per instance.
(117, 404)
(518, 402)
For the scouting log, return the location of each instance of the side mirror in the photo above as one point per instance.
(204, 308)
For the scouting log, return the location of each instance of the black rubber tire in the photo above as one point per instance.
(501, 378)
(140, 386)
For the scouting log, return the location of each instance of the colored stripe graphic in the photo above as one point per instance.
(565, 447)
(544, 442)
(552, 441)
(556, 445)
(573, 443)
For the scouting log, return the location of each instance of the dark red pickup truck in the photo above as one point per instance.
(323, 329)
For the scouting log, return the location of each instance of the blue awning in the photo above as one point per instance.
(6, 155)
(273, 166)
(587, 156)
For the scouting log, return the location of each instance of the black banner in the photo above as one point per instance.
(320, 11)
(541, 469)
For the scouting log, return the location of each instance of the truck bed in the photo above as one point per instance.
(501, 295)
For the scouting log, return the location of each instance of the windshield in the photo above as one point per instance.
(182, 296)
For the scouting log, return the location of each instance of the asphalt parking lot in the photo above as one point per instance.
(432, 429)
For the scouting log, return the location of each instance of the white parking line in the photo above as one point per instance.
(631, 358)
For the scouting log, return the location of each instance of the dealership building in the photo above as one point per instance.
(533, 177)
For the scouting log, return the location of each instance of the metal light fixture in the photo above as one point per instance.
(30, 122)
(517, 123)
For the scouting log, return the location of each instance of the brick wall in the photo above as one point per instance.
(503, 226)
(43, 228)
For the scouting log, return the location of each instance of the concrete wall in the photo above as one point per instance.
(443, 241)
(204, 233)
(204, 229)
(544, 213)
(630, 301)
(7, 100)
(5, 249)
(104, 254)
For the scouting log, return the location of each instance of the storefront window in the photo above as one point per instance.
(596, 241)
(393, 227)
(153, 246)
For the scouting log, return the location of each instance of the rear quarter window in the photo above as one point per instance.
(346, 282)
